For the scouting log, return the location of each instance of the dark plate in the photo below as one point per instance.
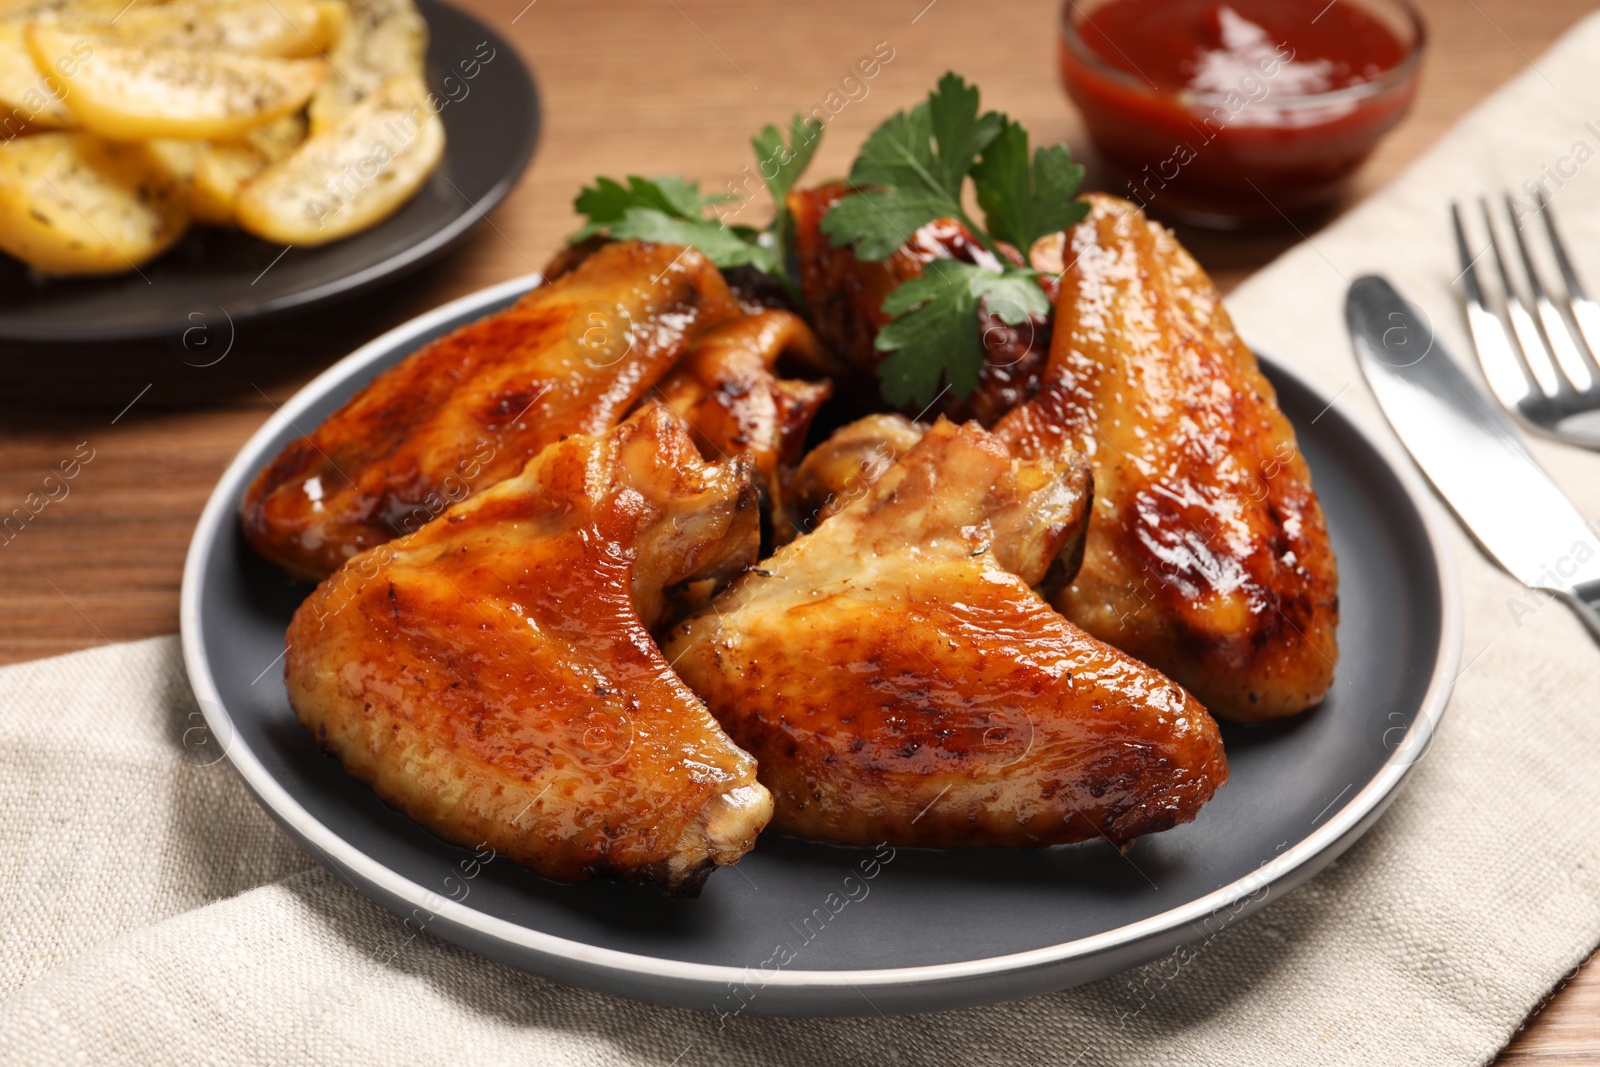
(491, 123)
(927, 929)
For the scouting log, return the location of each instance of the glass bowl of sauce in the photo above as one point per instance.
(1237, 113)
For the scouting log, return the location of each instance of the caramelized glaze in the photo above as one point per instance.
(493, 676)
(470, 409)
(727, 387)
(1207, 555)
(898, 680)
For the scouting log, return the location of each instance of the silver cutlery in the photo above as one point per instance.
(1542, 368)
(1471, 452)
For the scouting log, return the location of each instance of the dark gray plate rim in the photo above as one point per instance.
(809, 991)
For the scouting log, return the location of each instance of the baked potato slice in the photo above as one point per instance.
(129, 93)
(287, 29)
(72, 203)
(28, 98)
(223, 168)
(350, 176)
(382, 39)
(180, 159)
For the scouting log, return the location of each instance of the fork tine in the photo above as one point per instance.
(1556, 334)
(1523, 327)
(1584, 310)
(1502, 365)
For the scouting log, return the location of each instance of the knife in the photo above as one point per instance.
(1469, 451)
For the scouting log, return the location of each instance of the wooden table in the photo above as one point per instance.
(646, 86)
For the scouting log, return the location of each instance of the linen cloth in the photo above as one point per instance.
(154, 915)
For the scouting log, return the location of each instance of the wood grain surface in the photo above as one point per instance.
(645, 86)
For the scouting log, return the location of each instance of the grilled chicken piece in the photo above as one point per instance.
(472, 408)
(492, 675)
(846, 297)
(1207, 555)
(726, 385)
(842, 469)
(897, 679)
(846, 465)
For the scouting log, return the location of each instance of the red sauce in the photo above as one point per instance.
(1217, 109)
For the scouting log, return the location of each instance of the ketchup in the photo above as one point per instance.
(1237, 111)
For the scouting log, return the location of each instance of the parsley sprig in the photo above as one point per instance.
(672, 210)
(913, 170)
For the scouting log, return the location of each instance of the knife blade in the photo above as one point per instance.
(1468, 449)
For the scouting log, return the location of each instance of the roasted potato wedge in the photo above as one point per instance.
(179, 158)
(288, 29)
(27, 97)
(129, 93)
(72, 203)
(351, 176)
(383, 39)
(223, 168)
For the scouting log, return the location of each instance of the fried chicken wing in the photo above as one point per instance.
(1207, 555)
(898, 680)
(493, 676)
(846, 465)
(470, 409)
(851, 461)
(846, 297)
(727, 386)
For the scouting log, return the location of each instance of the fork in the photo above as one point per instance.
(1542, 369)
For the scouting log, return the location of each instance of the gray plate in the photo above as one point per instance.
(491, 123)
(920, 929)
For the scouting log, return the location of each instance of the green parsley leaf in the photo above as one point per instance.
(916, 163)
(936, 333)
(879, 221)
(1021, 204)
(786, 160)
(959, 133)
(723, 245)
(780, 165)
(1012, 297)
(608, 201)
(899, 154)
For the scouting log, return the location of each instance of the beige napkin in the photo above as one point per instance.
(154, 915)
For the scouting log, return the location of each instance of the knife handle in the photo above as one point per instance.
(1584, 600)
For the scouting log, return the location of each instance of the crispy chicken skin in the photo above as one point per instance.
(846, 297)
(898, 680)
(727, 386)
(471, 408)
(1207, 555)
(492, 675)
(846, 465)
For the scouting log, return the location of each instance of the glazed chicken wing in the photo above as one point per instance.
(846, 465)
(493, 676)
(470, 409)
(1207, 556)
(728, 388)
(898, 680)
